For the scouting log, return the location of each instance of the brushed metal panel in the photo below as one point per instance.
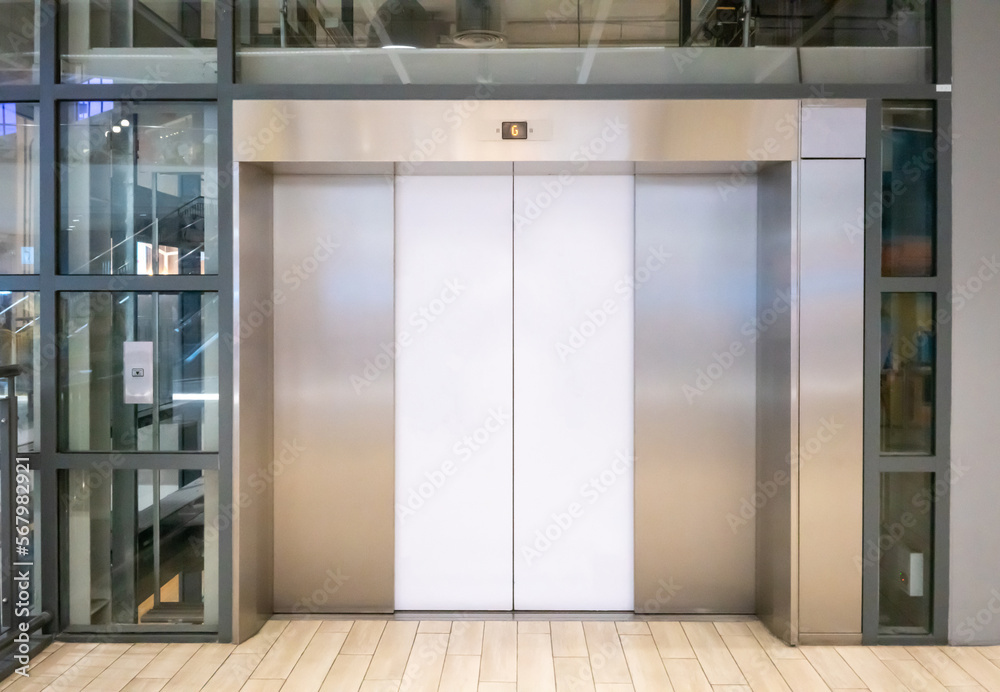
(333, 394)
(834, 129)
(454, 392)
(777, 402)
(573, 390)
(695, 383)
(253, 396)
(414, 132)
(831, 396)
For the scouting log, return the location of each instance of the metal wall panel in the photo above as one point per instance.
(454, 392)
(695, 383)
(333, 394)
(573, 389)
(831, 425)
(834, 129)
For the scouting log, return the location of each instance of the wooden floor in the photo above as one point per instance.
(504, 656)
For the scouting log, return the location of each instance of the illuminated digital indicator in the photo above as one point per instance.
(517, 130)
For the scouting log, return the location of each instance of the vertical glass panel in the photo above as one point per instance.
(116, 41)
(138, 189)
(19, 344)
(906, 558)
(19, 26)
(897, 23)
(909, 189)
(19, 198)
(138, 372)
(139, 553)
(908, 373)
(27, 548)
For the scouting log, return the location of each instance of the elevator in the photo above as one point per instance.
(548, 375)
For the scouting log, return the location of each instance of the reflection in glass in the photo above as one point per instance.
(906, 542)
(909, 189)
(139, 551)
(907, 363)
(19, 344)
(141, 41)
(19, 197)
(138, 193)
(181, 412)
(19, 41)
(852, 23)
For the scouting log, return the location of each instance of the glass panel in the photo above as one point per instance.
(99, 373)
(19, 198)
(27, 548)
(138, 550)
(906, 557)
(139, 193)
(107, 41)
(480, 42)
(19, 25)
(910, 151)
(908, 389)
(19, 344)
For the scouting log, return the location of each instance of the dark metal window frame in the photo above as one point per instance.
(49, 93)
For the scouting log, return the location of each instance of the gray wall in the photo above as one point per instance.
(253, 431)
(975, 523)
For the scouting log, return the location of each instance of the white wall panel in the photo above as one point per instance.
(573, 338)
(454, 399)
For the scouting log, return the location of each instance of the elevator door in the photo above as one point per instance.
(514, 391)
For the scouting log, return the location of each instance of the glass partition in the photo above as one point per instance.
(138, 41)
(19, 195)
(906, 542)
(139, 372)
(19, 25)
(143, 547)
(139, 192)
(908, 373)
(19, 344)
(576, 41)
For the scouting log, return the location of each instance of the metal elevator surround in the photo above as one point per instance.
(333, 394)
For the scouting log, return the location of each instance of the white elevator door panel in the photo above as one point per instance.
(454, 399)
(573, 393)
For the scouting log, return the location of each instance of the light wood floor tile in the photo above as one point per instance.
(568, 639)
(607, 659)
(757, 666)
(170, 660)
(800, 675)
(423, 669)
(613, 687)
(392, 652)
(499, 662)
(633, 627)
(573, 674)
(466, 638)
(990, 652)
(312, 667)
(120, 673)
(978, 666)
(719, 666)
(832, 667)
(914, 675)
(262, 686)
(948, 673)
(363, 637)
(645, 664)
(976, 688)
(671, 640)
(115, 649)
(264, 639)
(774, 647)
(146, 648)
(33, 684)
(346, 674)
(533, 627)
(434, 627)
(328, 626)
(380, 686)
(535, 670)
(890, 653)
(281, 658)
(200, 668)
(686, 675)
(460, 674)
(731, 688)
(870, 669)
(145, 685)
(733, 629)
(497, 687)
(234, 673)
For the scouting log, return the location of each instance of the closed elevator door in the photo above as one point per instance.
(513, 391)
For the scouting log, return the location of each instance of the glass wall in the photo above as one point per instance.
(906, 541)
(143, 547)
(139, 192)
(908, 365)
(19, 198)
(19, 343)
(19, 25)
(99, 409)
(142, 41)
